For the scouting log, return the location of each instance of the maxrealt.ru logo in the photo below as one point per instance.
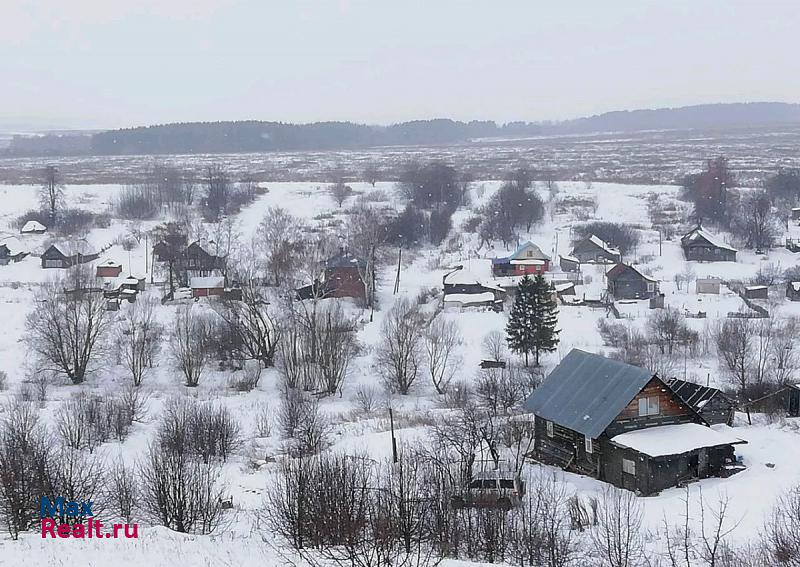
(64, 518)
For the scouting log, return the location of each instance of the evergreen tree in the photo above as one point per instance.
(532, 325)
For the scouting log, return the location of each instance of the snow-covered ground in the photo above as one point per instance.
(242, 543)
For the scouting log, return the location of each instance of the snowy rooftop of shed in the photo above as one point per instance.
(467, 298)
(674, 439)
(207, 282)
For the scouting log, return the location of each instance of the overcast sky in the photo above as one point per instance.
(112, 63)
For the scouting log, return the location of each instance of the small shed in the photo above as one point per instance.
(796, 213)
(708, 285)
(657, 301)
(109, 269)
(793, 291)
(756, 292)
(33, 227)
(712, 404)
(207, 286)
(793, 400)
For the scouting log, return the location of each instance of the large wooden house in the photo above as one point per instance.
(463, 289)
(623, 425)
(342, 276)
(526, 259)
(594, 250)
(626, 282)
(701, 246)
(67, 256)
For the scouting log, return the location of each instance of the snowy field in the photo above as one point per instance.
(771, 454)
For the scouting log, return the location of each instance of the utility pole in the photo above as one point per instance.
(371, 275)
(394, 441)
(397, 277)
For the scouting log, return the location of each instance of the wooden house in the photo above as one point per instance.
(341, 277)
(196, 261)
(594, 250)
(569, 264)
(55, 257)
(701, 246)
(712, 404)
(108, 269)
(33, 227)
(626, 282)
(526, 259)
(206, 286)
(623, 425)
(793, 291)
(9, 252)
(463, 289)
(756, 292)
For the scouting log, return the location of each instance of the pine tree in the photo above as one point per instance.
(545, 318)
(532, 324)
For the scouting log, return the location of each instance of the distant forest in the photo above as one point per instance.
(258, 136)
(255, 136)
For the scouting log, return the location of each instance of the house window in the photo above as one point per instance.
(549, 428)
(587, 445)
(651, 287)
(716, 251)
(628, 467)
(648, 406)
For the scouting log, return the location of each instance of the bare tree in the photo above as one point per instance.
(340, 192)
(218, 191)
(399, 354)
(781, 537)
(442, 338)
(281, 237)
(669, 329)
(51, 194)
(188, 342)
(494, 345)
(139, 339)
(68, 324)
(734, 348)
(122, 491)
(618, 537)
(756, 222)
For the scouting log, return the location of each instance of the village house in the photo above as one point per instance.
(196, 261)
(526, 259)
(341, 277)
(108, 269)
(793, 291)
(569, 264)
(463, 289)
(10, 252)
(712, 404)
(700, 246)
(206, 286)
(33, 227)
(593, 250)
(78, 253)
(626, 282)
(623, 425)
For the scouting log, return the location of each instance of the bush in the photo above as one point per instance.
(3, 380)
(137, 202)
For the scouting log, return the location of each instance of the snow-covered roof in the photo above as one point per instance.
(33, 226)
(755, 287)
(563, 286)
(461, 277)
(795, 285)
(674, 439)
(603, 244)
(528, 262)
(207, 282)
(700, 233)
(469, 298)
(109, 264)
(569, 258)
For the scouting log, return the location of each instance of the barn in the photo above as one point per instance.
(108, 269)
(205, 286)
(623, 425)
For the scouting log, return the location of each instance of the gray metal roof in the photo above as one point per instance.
(586, 391)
